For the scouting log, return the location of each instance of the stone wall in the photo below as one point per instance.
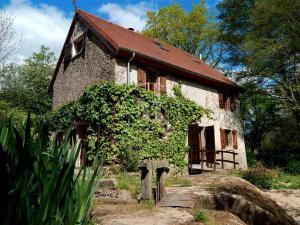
(94, 64)
(205, 96)
(208, 97)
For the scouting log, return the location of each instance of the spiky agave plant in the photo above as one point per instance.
(38, 182)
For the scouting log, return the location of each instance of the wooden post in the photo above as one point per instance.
(146, 167)
(160, 185)
(222, 158)
(234, 160)
(214, 160)
(146, 183)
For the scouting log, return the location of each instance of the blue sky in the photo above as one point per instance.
(46, 22)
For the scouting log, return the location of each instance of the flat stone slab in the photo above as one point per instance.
(178, 200)
(122, 196)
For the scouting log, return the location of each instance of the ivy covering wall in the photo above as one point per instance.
(134, 123)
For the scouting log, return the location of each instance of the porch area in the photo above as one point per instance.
(204, 155)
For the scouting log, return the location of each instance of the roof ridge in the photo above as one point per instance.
(143, 36)
(139, 34)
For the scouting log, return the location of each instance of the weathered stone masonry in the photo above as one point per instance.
(96, 63)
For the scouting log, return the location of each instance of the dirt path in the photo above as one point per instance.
(236, 198)
(289, 200)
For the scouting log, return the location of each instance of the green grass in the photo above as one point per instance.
(200, 216)
(178, 181)
(287, 181)
(132, 183)
(283, 180)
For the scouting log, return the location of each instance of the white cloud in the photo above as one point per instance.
(130, 15)
(38, 25)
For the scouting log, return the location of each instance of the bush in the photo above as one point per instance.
(200, 216)
(130, 161)
(39, 184)
(260, 176)
(251, 158)
(293, 167)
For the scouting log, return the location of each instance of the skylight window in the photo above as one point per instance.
(161, 46)
(196, 61)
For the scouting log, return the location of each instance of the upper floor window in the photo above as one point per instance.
(228, 139)
(152, 81)
(227, 101)
(78, 45)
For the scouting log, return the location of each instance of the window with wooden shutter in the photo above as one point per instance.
(141, 78)
(234, 139)
(68, 52)
(221, 100)
(223, 138)
(232, 103)
(163, 84)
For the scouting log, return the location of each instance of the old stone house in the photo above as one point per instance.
(97, 50)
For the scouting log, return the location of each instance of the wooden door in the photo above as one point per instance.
(210, 143)
(194, 142)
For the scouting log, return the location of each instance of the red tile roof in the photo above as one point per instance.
(120, 39)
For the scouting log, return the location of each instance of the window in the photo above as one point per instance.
(78, 45)
(67, 55)
(227, 101)
(228, 139)
(152, 81)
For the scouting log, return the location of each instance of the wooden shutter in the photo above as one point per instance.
(221, 100)
(223, 136)
(193, 132)
(234, 137)
(68, 51)
(163, 84)
(141, 78)
(232, 103)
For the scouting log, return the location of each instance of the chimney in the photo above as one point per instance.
(130, 28)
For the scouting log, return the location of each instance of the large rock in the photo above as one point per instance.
(108, 183)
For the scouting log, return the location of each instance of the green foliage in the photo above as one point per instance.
(194, 32)
(200, 216)
(25, 86)
(178, 181)
(251, 158)
(259, 113)
(264, 39)
(287, 181)
(6, 111)
(40, 185)
(130, 161)
(293, 166)
(281, 145)
(133, 119)
(260, 176)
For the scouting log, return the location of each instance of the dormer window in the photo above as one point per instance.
(78, 45)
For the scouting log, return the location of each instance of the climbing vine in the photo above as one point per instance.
(133, 122)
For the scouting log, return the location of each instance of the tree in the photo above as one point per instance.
(264, 38)
(194, 32)
(8, 43)
(259, 113)
(25, 86)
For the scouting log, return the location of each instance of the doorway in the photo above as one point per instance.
(195, 143)
(209, 135)
(201, 141)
